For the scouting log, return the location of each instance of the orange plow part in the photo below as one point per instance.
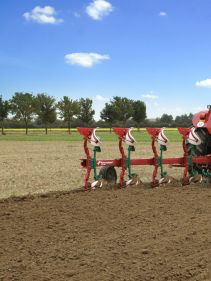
(125, 162)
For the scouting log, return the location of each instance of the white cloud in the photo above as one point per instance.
(98, 9)
(204, 83)
(100, 98)
(150, 96)
(85, 59)
(45, 15)
(162, 14)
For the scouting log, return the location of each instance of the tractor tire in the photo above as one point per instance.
(200, 150)
(109, 174)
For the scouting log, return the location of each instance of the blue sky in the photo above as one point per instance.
(158, 51)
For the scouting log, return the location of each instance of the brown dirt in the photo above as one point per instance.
(131, 234)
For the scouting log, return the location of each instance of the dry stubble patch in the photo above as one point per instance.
(40, 167)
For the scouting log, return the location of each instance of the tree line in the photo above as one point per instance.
(42, 110)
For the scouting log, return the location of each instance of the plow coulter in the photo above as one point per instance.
(195, 162)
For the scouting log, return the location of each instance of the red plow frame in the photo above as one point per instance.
(125, 162)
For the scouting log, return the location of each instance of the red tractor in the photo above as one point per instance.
(202, 122)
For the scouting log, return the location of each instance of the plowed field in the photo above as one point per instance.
(130, 234)
(133, 234)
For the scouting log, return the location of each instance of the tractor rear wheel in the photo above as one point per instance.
(200, 150)
(109, 174)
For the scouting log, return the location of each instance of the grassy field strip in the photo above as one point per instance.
(22, 130)
(141, 136)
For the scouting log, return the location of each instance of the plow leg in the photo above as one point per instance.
(155, 182)
(88, 168)
(122, 176)
(86, 180)
(184, 132)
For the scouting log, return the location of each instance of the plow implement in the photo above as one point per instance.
(195, 167)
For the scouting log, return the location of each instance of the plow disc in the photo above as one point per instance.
(108, 176)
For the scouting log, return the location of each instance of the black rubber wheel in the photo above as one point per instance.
(109, 174)
(203, 149)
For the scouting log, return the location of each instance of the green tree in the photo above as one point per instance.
(23, 106)
(4, 111)
(139, 112)
(86, 113)
(45, 109)
(67, 110)
(123, 107)
(184, 120)
(109, 114)
(167, 119)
